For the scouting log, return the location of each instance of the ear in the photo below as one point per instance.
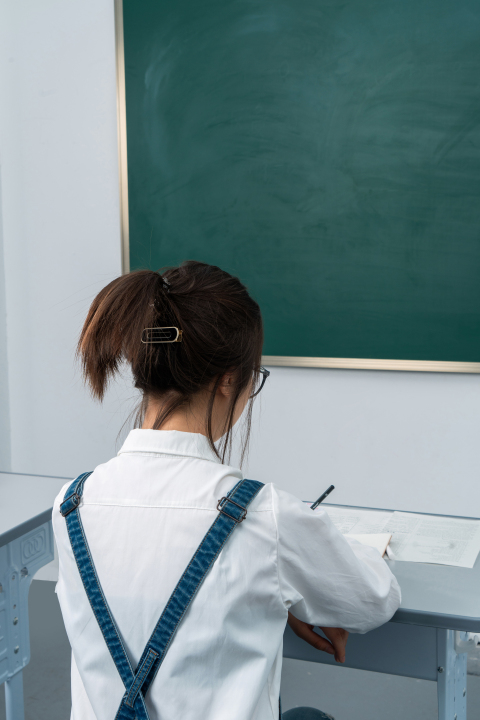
(226, 386)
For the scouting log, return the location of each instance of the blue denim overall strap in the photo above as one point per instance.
(232, 511)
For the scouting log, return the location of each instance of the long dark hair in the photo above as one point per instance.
(222, 333)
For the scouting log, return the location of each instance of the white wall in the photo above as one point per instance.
(401, 440)
(4, 393)
(407, 441)
(60, 208)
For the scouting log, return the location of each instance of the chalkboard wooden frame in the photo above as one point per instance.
(122, 136)
(271, 360)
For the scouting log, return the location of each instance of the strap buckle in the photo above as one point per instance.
(222, 502)
(69, 504)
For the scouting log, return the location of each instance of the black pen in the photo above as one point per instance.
(322, 497)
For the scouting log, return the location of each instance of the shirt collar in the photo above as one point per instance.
(169, 442)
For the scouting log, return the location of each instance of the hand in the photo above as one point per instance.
(335, 645)
(338, 637)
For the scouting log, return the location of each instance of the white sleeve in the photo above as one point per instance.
(325, 579)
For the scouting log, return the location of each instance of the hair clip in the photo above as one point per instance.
(165, 284)
(161, 335)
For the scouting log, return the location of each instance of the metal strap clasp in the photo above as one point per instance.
(224, 500)
(69, 504)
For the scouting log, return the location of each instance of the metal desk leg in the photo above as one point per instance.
(19, 561)
(451, 678)
(14, 697)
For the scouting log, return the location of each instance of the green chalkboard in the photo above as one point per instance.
(325, 151)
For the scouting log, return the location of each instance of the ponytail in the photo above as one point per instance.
(221, 329)
(114, 325)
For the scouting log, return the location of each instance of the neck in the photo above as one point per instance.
(192, 417)
(185, 420)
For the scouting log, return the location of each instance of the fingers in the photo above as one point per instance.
(339, 647)
(334, 644)
(338, 637)
(298, 626)
(319, 643)
(306, 633)
(339, 653)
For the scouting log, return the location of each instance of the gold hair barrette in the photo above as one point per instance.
(161, 335)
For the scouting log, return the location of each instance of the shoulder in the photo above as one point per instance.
(57, 518)
(61, 495)
(271, 497)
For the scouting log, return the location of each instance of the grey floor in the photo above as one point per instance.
(346, 694)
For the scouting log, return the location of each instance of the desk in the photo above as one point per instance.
(26, 545)
(439, 605)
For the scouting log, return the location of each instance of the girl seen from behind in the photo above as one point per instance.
(177, 575)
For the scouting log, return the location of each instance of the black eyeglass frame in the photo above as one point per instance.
(263, 371)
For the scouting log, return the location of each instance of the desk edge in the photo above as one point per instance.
(438, 620)
(25, 527)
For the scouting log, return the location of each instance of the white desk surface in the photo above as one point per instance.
(437, 595)
(24, 497)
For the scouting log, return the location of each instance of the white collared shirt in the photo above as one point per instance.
(145, 513)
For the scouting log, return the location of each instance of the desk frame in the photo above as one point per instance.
(422, 652)
(23, 551)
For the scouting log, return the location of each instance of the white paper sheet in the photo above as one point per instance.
(358, 521)
(415, 538)
(401, 525)
(439, 540)
(379, 541)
